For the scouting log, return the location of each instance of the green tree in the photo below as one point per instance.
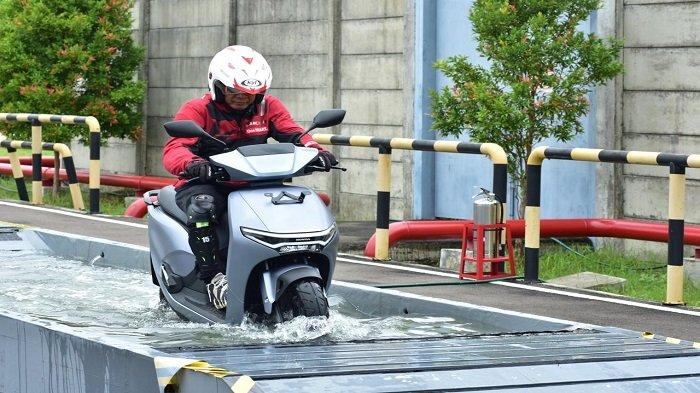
(72, 57)
(541, 71)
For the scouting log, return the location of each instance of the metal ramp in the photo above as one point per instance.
(543, 360)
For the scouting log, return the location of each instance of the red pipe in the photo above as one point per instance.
(140, 183)
(138, 209)
(45, 161)
(452, 230)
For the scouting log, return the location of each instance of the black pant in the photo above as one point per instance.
(202, 238)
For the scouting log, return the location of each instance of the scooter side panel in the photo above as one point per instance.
(166, 236)
(169, 241)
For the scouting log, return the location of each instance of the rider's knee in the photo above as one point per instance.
(201, 209)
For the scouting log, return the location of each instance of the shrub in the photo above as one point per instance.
(72, 57)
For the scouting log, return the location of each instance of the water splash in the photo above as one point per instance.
(125, 303)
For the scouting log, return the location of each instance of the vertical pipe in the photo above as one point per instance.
(73, 185)
(500, 186)
(676, 216)
(37, 189)
(532, 223)
(17, 174)
(334, 42)
(381, 250)
(424, 80)
(94, 170)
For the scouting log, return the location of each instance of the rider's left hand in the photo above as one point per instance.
(326, 160)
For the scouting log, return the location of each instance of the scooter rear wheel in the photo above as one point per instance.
(303, 297)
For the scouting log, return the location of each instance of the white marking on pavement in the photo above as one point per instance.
(532, 288)
(575, 325)
(73, 214)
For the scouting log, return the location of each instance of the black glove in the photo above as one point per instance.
(198, 168)
(325, 160)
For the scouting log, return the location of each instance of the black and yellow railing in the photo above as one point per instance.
(94, 168)
(63, 151)
(385, 146)
(676, 203)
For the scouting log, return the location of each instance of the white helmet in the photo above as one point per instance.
(240, 68)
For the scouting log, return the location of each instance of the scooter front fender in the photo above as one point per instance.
(274, 282)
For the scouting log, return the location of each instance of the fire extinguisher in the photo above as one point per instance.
(488, 210)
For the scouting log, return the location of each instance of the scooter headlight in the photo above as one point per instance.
(291, 242)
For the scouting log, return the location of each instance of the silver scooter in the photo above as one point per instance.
(280, 240)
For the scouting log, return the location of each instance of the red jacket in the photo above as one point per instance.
(270, 119)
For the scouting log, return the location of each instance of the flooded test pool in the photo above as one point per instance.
(125, 303)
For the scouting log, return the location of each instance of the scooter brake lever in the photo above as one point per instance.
(341, 168)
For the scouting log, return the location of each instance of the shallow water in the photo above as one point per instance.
(124, 303)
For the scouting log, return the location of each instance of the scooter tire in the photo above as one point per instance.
(301, 298)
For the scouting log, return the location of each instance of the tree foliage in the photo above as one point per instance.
(72, 57)
(541, 71)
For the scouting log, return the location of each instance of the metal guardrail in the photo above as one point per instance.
(94, 168)
(676, 203)
(62, 150)
(385, 145)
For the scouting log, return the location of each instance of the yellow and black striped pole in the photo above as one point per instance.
(676, 204)
(533, 172)
(381, 246)
(37, 189)
(385, 145)
(73, 186)
(17, 174)
(64, 152)
(94, 166)
(676, 217)
(94, 170)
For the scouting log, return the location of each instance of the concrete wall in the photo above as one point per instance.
(346, 54)
(324, 54)
(372, 62)
(660, 102)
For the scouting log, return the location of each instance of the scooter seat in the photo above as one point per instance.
(166, 199)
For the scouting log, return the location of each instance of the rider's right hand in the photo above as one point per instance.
(198, 168)
(326, 160)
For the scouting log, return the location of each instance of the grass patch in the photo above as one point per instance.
(20, 153)
(112, 203)
(645, 274)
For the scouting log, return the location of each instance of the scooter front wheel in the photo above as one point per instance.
(303, 297)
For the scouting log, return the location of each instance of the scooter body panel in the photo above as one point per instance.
(247, 208)
(252, 208)
(169, 246)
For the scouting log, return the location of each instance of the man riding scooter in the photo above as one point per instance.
(236, 110)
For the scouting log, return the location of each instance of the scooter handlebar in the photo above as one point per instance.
(314, 168)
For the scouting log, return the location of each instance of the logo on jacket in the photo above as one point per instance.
(251, 83)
